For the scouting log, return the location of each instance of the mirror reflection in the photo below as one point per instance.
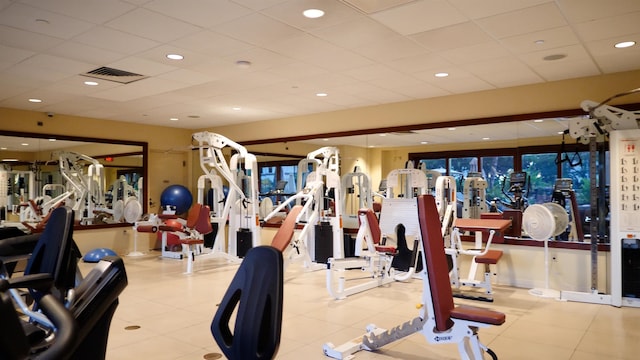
(497, 168)
(102, 182)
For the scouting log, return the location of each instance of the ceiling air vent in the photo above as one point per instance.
(116, 75)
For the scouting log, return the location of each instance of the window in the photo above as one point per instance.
(494, 170)
(542, 173)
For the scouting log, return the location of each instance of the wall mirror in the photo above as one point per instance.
(102, 179)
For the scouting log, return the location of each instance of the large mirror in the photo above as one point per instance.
(538, 145)
(102, 180)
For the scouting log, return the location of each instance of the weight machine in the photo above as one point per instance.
(241, 205)
(563, 191)
(622, 127)
(519, 186)
(381, 263)
(84, 191)
(320, 216)
(474, 203)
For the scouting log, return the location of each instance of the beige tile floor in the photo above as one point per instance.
(174, 313)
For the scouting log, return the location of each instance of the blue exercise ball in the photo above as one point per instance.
(177, 197)
(96, 255)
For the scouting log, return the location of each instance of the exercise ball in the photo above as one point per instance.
(177, 197)
(96, 255)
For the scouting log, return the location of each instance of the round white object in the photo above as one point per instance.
(543, 221)
(132, 210)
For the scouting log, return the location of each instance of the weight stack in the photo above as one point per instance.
(631, 268)
(210, 238)
(323, 242)
(244, 242)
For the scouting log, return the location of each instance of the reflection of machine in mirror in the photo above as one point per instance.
(37, 174)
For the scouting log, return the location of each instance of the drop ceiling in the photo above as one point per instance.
(361, 53)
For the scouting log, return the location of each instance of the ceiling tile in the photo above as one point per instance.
(419, 63)
(85, 53)
(473, 53)
(138, 89)
(389, 49)
(94, 11)
(256, 29)
(552, 38)
(451, 37)
(40, 21)
(537, 18)
(151, 25)
(114, 40)
(290, 12)
(27, 40)
(511, 72)
(209, 13)
(211, 43)
(475, 9)
(420, 16)
(356, 32)
(577, 63)
(626, 24)
(585, 11)
(610, 59)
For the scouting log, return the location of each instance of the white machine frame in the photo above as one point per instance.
(239, 208)
(622, 126)
(302, 247)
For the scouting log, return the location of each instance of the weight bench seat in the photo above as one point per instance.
(491, 257)
(376, 233)
(472, 313)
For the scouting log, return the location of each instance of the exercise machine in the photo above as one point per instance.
(480, 254)
(563, 191)
(320, 211)
(622, 127)
(439, 320)
(380, 262)
(241, 205)
(356, 195)
(519, 188)
(474, 202)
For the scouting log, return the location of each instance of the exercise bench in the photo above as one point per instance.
(439, 321)
(481, 255)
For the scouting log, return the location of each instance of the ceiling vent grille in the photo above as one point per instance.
(116, 75)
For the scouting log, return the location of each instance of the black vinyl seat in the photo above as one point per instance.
(256, 291)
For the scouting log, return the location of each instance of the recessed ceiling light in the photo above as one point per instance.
(424, 142)
(91, 83)
(25, 144)
(486, 138)
(236, 108)
(383, 135)
(325, 139)
(560, 132)
(175, 56)
(7, 160)
(441, 74)
(624, 44)
(52, 139)
(3, 148)
(321, 94)
(538, 120)
(313, 13)
(539, 42)
(554, 57)
(173, 119)
(35, 100)
(451, 129)
(243, 64)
